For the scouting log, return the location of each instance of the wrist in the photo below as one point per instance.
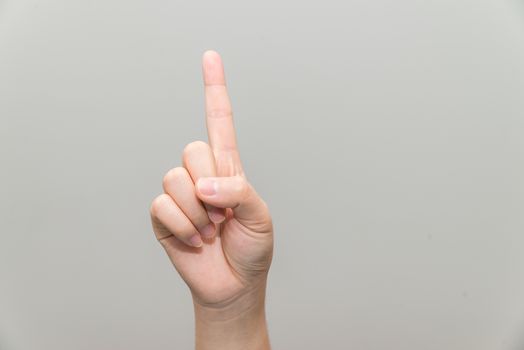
(235, 324)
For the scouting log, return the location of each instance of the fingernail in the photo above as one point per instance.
(207, 187)
(196, 241)
(216, 215)
(208, 231)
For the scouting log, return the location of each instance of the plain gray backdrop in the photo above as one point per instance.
(386, 136)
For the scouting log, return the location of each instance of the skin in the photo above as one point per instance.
(216, 229)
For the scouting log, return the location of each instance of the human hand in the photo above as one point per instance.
(216, 229)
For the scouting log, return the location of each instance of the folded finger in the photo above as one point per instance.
(168, 218)
(178, 184)
(199, 161)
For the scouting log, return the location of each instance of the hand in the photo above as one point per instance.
(215, 228)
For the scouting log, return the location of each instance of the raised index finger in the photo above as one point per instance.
(219, 116)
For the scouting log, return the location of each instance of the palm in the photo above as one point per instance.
(220, 270)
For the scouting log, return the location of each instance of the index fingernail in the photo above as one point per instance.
(196, 241)
(216, 215)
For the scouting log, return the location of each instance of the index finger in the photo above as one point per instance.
(219, 116)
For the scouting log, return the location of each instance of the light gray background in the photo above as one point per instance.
(387, 137)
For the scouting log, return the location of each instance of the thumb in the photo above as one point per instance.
(235, 192)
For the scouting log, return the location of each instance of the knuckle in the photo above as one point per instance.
(195, 147)
(158, 204)
(241, 187)
(173, 175)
